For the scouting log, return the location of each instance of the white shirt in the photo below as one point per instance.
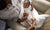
(39, 18)
(28, 10)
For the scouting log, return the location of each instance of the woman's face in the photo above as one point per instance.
(26, 5)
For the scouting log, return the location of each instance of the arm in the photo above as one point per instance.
(31, 7)
(33, 22)
(28, 22)
(20, 20)
(23, 18)
(32, 25)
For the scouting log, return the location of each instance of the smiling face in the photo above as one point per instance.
(26, 4)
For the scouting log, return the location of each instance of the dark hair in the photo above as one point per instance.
(27, 1)
(3, 4)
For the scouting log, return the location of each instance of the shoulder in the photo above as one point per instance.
(34, 10)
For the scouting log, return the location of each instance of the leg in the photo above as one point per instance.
(2, 25)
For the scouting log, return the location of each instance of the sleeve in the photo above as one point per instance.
(21, 14)
(14, 2)
(22, 10)
(35, 14)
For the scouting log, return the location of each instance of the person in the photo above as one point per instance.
(28, 14)
(39, 18)
(27, 5)
(8, 13)
(38, 22)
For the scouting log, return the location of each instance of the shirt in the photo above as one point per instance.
(10, 12)
(28, 10)
(39, 18)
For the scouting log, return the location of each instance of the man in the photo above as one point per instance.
(9, 13)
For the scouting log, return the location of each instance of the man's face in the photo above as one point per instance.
(26, 5)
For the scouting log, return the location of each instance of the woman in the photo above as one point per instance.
(39, 18)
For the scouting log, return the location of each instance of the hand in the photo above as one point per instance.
(20, 20)
(25, 14)
(33, 22)
(30, 27)
(25, 17)
(34, 26)
(33, 19)
(27, 29)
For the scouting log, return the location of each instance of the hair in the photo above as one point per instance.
(27, 1)
(3, 4)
